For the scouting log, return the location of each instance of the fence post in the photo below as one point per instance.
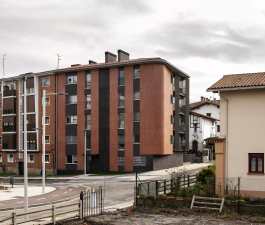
(14, 219)
(188, 180)
(157, 187)
(80, 209)
(135, 188)
(82, 199)
(165, 187)
(171, 185)
(184, 192)
(101, 200)
(238, 195)
(53, 214)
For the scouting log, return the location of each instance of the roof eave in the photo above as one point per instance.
(234, 88)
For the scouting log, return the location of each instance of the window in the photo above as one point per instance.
(71, 119)
(10, 158)
(121, 142)
(136, 138)
(208, 114)
(0, 140)
(172, 79)
(88, 122)
(9, 141)
(136, 116)
(88, 101)
(0, 123)
(121, 120)
(0, 157)
(30, 123)
(30, 158)
(47, 139)
(121, 76)
(71, 159)
(218, 128)
(172, 99)
(71, 99)
(121, 161)
(136, 95)
(256, 163)
(47, 120)
(136, 71)
(139, 160)
(172, 119)
(121, 99)
(88, 80)
(72, 79)
(171, 140)
(47, 101)
(45, 82)
(47, 158)
(71, 139)
(31, 141)
(88, 142)
(0, 104)
(29, 85)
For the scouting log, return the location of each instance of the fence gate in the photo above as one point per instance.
(91, 202)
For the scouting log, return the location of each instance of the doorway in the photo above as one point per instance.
(20, 168)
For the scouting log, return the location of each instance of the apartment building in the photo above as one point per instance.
(125, 114)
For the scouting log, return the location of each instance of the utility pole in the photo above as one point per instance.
(58, 60)
(4, 65)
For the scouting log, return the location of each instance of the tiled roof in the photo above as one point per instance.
(201, 115)
(196, 105)
(213, 140)
(240, 80)
(116, 62)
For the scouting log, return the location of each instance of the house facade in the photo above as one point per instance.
(240, 149)
(123, 113)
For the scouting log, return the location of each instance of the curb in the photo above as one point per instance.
(42, 204)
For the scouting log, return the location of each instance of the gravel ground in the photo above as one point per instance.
(148, 216)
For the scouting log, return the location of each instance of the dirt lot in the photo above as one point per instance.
(144, 215)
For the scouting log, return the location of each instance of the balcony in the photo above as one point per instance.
(182, 109)
(182, 128)
(182, 90)
(9, 93)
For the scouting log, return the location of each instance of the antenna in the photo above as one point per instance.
(58, 60)
(4, 65)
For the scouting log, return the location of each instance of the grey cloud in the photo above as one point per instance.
(206, 39)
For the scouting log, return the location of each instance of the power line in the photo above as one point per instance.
(58, 60)
(4, 65)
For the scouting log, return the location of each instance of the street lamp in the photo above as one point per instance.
(43, 135)
(85, 156)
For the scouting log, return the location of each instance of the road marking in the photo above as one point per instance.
(20, 202)
(55, 195)
(65, 192)
(41, 198)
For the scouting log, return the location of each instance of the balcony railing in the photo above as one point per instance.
(9, 111)
(10, 93)
(182, 90)
(9, 128)
(182, 127)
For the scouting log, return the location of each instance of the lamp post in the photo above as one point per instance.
(85, 155)
(43, 135)
(25, 153)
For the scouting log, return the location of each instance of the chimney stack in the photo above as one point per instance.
(110, 57)
(201, 98)
(122, 55)
(92, 62)
(204, 99)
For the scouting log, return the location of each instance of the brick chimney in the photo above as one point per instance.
(201, 98)
(110, 57)
(122, 55)
(92, 62)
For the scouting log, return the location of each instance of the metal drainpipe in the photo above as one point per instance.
(226, 155)
(55, 124)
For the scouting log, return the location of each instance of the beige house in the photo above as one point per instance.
(240, 147)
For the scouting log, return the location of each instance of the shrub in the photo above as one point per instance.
(204, 173)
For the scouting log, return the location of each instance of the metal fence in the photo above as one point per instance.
(91, 202)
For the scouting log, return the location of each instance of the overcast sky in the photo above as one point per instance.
(205, 38)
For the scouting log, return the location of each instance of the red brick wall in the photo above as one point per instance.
(128, 149)
(94, 111)
(80, 119)
(61, 122)
(113, 154)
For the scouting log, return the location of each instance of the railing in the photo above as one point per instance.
(157, 187)
(9, 128)
(10, 93)
(182, 90)
(53, 215)
(9, 111)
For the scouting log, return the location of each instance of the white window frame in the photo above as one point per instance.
(73, 162)
(49, 101)
(45, 139)
(71, 102)
(1, 159)
(29, 158)
(8, 158)
(45, 159)
(72, 119)
(45, 82)
(45, 120)
(72, 82)
(134, 98)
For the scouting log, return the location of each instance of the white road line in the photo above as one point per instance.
(65, 192)
(55, 195)
(20, 202)
(41, 198)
